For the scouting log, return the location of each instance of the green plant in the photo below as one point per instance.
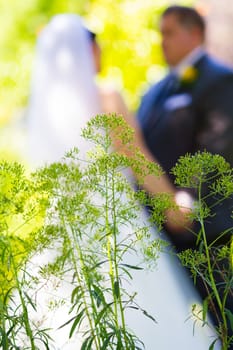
(83, 211)
(22, 216)
(212, 179)
(94, 209)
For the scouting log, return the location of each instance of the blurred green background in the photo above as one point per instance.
(127, 33)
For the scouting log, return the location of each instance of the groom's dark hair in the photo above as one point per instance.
(91, 35)
(187, 16)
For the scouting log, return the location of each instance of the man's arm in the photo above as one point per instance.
(176, 219)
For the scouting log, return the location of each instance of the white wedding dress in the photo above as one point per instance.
(63, 99)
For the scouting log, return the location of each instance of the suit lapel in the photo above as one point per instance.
(155, 111)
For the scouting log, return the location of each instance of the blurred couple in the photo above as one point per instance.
(64, 97)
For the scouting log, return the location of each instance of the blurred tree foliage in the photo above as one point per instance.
(127, 31)
(130, 42)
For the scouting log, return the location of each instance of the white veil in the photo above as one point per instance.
(63, 93)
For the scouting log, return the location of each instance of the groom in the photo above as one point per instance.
(191, 109)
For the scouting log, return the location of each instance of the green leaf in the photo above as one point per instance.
(230, 317)
(107, 341)
(98, 295)
(212, 344)
(149, 316)
(116, 289)
(76, 292)
(67, 322)
(119, 343)
(102, 313)
(30, 301)
(205, 309)
(86, 345)
(78, 319)
(134, 267)
(126, 272)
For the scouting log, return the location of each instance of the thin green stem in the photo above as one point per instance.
(115, 249)
(112, 247)
(109, 248)
(74, 244)
(24, 306)
(110, 203)
(4, 338)
(95, 331)
(212, 280)
(109, 231)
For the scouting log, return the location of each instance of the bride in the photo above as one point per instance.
(64, 96)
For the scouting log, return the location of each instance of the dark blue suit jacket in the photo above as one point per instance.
(189, 116)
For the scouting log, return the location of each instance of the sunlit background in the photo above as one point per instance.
(130, 41)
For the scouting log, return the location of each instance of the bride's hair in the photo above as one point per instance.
(91, 35)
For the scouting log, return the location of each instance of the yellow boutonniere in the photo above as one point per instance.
(189, 75)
